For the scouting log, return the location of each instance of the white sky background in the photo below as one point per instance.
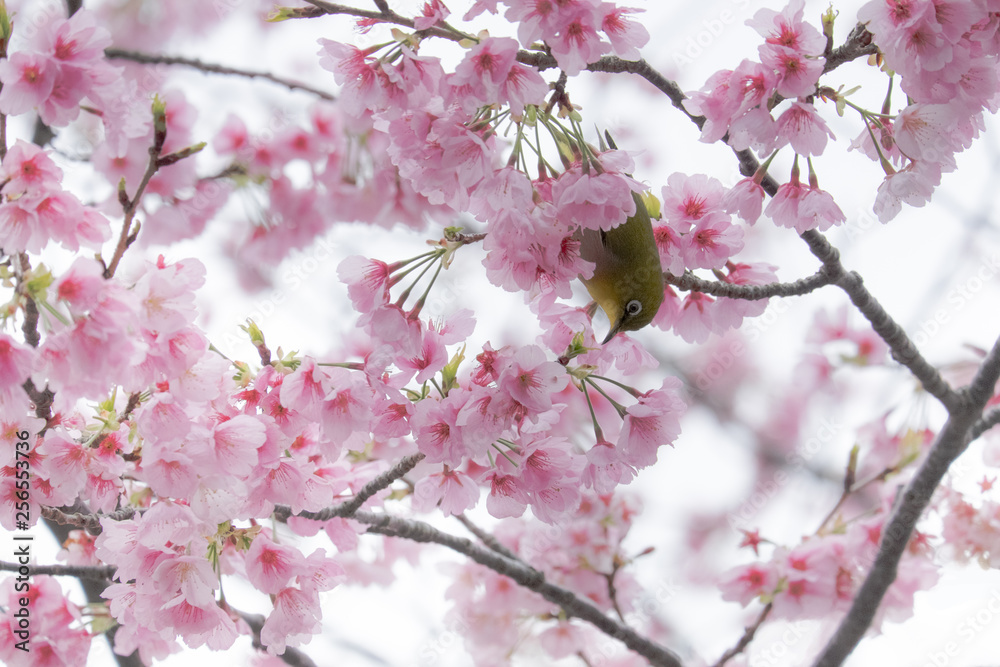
(911, 266)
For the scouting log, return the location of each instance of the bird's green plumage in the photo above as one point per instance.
(626, 270)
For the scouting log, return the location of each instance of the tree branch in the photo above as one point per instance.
(988, 421)
(903, 349)
(131, 206)
(858, 44)
(211, 68)
(89, 522)
(748, 635)
(349, 507)
(950, 443)
(692, 283)
(525, 576)
(486, 538)
(384, 16)
(98, 572)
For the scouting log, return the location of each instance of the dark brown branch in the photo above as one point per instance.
(950, 443)
(525, 576)
(692, 283)
(211, 68)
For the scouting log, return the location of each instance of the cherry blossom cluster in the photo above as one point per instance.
(581, 553)
(572, 30)
(946, 58)
(170, 589)
(58, 634)
(824, 572)
(134, 409)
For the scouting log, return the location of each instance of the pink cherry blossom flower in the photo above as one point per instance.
(694, 317)
(28, 80)
(787, 29)
(745, 199)
(818, 210)
(270, 567)
(914, 185)
(712, 241)
(802, 127)
(187, 578)
(670, 245)
(523, 85)
(594, 200)
(453, 491)
(507, 498)
(651, 422)
(687, 198)
(928, 132)
(626, 36)
(576, 44)
(606, 468)
(751, 84)
(434, 11)
(29, 169)
(16, 361)
(797, 73)
(744, 583)
(749, 274)
(755, 129)
(482, 71)
(783, 209)
(531, 379)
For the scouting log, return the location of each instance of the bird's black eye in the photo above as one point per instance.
(633, 307)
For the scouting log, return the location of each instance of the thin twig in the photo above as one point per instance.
(747, 637)
(131, 206)
(525, 576)
(486, 538)
(349, 507)
(950, 443)
(691, 282)
(389, 16)
(211, 68)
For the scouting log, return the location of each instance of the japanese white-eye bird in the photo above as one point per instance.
(628, 279)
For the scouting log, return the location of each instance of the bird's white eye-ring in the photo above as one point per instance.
(633, 307)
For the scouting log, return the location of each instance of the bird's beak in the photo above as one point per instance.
(614, 330)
